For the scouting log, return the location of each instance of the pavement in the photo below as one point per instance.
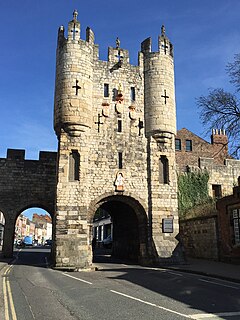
(216, 269)
(210, 268)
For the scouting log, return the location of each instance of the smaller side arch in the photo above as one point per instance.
(11, 217)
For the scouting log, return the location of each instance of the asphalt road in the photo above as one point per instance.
(32, 290)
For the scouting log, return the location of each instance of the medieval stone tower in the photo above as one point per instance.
(116, 124)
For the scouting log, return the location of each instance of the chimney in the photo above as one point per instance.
(219, 137)
(219, 142)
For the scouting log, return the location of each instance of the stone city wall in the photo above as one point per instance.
(199, 237)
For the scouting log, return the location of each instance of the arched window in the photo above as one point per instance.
(74, 164)
(163, 170)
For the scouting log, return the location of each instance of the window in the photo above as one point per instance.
(120, 164)
(188, 145)
(133, 96)
(178, 146)
(119, 126)
(74, 164)
(235, 222)
(106, 90)
(216, 191)
(99, 233)
(163, 170)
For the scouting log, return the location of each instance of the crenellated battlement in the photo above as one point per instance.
(19, 155)
(116, 55)
(165, 47)
(74, 33)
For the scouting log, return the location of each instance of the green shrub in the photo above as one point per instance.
(192, 190)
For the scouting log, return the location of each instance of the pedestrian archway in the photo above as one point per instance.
(128, 227)
(34, 224)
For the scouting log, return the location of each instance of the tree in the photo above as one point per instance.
(221, 109)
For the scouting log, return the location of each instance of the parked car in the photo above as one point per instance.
(107, 242)
(28, 241)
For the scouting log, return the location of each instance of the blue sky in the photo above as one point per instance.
(205, 35)
(29, 212)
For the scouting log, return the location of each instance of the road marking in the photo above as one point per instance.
(8, 299)
(219, 284)
(68, 275)
(151, 304)
(14, 317)
(175, 273)
(5, 300)
(214, 315)
(204, 315)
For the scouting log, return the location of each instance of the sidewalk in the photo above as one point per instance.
(210, 268)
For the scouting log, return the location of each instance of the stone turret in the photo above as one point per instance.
(160, 111)
(73, 88)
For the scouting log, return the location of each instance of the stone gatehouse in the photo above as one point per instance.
(115, 123)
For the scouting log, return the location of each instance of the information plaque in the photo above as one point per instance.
(167, 225)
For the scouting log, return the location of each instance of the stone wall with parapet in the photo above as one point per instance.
(27, 183)
(225, 175)
(199, 237)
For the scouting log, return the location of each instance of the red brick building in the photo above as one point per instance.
(193, 153)
(190, 148)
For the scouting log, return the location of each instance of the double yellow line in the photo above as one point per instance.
(9, 309)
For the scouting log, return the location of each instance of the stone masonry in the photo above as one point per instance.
(25, 184)
(115, 123)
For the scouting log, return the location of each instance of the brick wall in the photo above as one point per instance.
(217, 149)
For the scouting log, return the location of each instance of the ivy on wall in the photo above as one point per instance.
(192, 190)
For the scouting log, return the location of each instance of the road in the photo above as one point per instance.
(119, 291)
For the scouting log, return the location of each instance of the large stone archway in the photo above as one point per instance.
(130, 226)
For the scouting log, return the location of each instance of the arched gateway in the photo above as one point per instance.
(130, 224)
(115, 124)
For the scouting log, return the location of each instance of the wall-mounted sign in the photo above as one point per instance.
(167, 225)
